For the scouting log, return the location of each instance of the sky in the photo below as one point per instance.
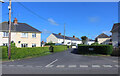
(80, 18)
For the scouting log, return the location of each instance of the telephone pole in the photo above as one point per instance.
(64, 33)
(9, 46)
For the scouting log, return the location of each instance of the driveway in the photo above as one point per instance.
(63, 63)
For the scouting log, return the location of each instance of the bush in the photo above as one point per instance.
(18, 53)
(95, 49)
(115, 52)
(59, 48)
(96, 43)
(50, 44)
(4, 52)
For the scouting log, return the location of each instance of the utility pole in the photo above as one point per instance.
(9, 46)
(64, 36)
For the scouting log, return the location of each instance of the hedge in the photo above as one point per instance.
(95, 49)
(59, 48)
(18, 53)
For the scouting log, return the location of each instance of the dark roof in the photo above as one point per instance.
(116, 27)
(20, 27)
(66, 37)
(103, 36)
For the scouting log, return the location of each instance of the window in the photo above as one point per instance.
(33, 45)
(5, 44)
(5, 34)
(24, 34)
(33, 35)
(24, 45)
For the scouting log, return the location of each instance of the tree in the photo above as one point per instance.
(84, 39)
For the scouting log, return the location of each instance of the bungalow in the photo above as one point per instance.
(58, 38)
(22, 34)
(103, 39)
(116, 35)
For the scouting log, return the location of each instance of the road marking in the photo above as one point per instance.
(60, 66)
(117, 66)
(51, 63)
(11, 65)
(49, 66)
(96, 66)
(19, 65)
(107, 66)
(72, 66)
(84, 66)
(115, 61)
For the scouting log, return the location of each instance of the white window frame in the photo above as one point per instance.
(24, 35)
(24, 45)
(5, 44)
(5, 34)
(33, 45)
(33, 35)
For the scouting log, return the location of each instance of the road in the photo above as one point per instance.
(63, 63)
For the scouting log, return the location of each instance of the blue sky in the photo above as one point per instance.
(81, 18)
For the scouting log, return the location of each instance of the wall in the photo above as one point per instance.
(101, 40)
(52, 38)
(115, 39)
(16, 36)
(5, 39)
(29, 40)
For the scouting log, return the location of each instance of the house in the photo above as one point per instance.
(58, 38)
(22, 34)
(103, 39)
(90, 41)
(116, 35)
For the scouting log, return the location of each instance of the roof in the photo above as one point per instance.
(116, 27)
(103, 36)
(20, 27)
(66, 37)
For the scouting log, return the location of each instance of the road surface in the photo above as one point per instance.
(63, 63)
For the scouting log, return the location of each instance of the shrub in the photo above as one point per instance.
(59, 48)
(18, 53)
(4, 53)
(50, 44)
(116, 52)
(95, 49)
(96, 43)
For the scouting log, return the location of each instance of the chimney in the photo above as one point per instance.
(59, 33)
(15, 21)
(73, 36)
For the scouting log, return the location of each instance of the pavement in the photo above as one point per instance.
(66, 62)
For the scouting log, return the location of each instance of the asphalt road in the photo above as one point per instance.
(63, 63)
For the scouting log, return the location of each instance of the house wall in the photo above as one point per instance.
(17, 36)
(52, 38)
(5, 39)
(90, 42)
(29, 40)
(102, 40)
(115, 39)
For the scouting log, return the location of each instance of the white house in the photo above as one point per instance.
(58, 38)
(116, 35)
(103, 39)
(90, 41)
(22, 34)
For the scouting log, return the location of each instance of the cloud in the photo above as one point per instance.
(52, 21)
(107, 32)
(94, 19)
(45, 31)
